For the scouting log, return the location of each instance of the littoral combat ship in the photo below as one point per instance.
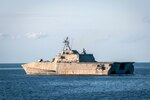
(71, 62)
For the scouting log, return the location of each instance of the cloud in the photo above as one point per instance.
(3, 35)
(27, 35)
(9, 36)
(14, 37)
(146, 19)
(134, 38)
(36, 35)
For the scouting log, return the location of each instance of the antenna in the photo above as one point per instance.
(66, 42)
(84, 51)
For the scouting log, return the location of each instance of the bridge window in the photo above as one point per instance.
(62, 57)
(67, 52)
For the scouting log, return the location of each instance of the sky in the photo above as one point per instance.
(113, 30)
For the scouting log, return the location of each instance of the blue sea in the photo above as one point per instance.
(16, 85)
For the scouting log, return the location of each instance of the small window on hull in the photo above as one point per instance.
(100, 67)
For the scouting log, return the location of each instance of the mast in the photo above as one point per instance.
(66, 42)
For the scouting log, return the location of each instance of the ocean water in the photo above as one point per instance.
(16, 85)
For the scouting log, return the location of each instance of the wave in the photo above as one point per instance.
(11, 68)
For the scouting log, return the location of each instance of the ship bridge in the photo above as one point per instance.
(69, 56)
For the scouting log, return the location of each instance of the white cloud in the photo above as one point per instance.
(27, 35)
(36, 35)
(146, 19)
(3, 35)
(14, 37)
(9, 36)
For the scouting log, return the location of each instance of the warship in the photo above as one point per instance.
(71, 62)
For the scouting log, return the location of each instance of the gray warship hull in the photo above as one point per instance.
(94, 68)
